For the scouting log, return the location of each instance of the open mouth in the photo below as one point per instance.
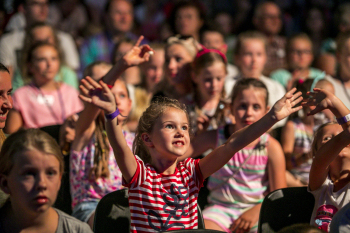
(178, 143)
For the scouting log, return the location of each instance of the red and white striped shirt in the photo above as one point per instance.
(161, 202)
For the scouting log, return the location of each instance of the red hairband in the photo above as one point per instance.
(204, 50)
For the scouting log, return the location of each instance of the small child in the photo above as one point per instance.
(238, 188)
(44, 101)
(93, 169)
(31, 167)
(329, 174)
(162, 191)
(207, 111)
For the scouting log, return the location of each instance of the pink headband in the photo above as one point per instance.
(204, 50)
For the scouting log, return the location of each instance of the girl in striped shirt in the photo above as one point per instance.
(163, 191)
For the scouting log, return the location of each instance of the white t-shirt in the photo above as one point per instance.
(11, 45)
(327, 203)
(341, 92)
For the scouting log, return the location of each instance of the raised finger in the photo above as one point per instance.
(295, 96)
(93, 82)
(138, 42)
(85, 83)
(295, 102)
(85, 99)
(84, 90)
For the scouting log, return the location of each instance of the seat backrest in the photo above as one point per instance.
(113, 214)
(285, 207)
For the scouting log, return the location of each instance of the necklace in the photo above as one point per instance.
(48, 105)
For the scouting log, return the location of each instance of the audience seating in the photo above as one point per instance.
(285, 207)
(113, 215)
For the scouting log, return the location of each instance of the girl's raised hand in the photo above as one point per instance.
(320, 99)
(138, 54)
(286, 106)
(98, 94)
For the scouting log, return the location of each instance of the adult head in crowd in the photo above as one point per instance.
(119, 21)
(267, 20)
(11, 44)
(188, 18)
(179, 55)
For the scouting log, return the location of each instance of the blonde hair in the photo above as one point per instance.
(189, 43)
(249, 35)
(26, 140)
(148, 120)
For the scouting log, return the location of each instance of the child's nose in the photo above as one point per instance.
(41, 182)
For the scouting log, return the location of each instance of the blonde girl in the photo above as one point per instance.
(31, 167)
(238, 188)
(44, 101)
(162, 191)
(209, 73)
(329, 174)
(93, 169)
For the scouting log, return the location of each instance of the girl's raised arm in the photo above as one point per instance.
(241, 138)
(137, 55)
(323, 99)
(100, 95)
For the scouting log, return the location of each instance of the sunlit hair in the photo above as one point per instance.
(246, 83)
(27, 76)
(317, 136)
(27, 140)
(242, 37)
(148, 120)
(188, 42)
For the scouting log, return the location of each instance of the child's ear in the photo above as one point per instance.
(147, 140)
(267, 108)
(3, 184)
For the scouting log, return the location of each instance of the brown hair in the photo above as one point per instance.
(148, 120)
(341, 41)
(248, 35)
(246, 83)
(26, 140)
(300, 36)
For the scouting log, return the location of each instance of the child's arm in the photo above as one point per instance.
(241, 138)
(277, 180)
(287, 141)
(136, 56)
(85, 125)
(323, 99)
(101, 96)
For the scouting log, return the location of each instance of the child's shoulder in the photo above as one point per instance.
(67, 223)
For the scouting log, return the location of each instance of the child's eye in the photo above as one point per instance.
(327, 138)
(184, 127)
(51, 172)
(178, 59)
(169, 127)
(256, 106)
(122, 96)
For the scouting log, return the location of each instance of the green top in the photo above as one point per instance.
(65, 74)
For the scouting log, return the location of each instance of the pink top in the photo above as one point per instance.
(161, 202)
(43, 108)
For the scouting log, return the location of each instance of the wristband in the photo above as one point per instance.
(112, 115)
(344, 119)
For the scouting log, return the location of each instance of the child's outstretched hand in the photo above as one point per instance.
(98, 94)
(286, 106)
(138, 54)
(320, 99)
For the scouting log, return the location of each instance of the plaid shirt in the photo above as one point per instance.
(276, 55)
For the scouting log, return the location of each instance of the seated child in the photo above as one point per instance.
(31, 167)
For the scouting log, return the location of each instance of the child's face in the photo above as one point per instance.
(177, 61)
(6, 102)
(210, 80)
(300, 54)
(249, 106)
(45, 63)
(154, 69)
(214, 40)
(170, 135)
(252, 58)
(122, 99)
(33, 181)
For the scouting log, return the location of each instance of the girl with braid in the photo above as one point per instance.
(93, 169)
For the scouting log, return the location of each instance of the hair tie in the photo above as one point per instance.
(300, 81)
(205, 50)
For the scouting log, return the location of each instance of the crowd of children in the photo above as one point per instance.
(169, 119)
